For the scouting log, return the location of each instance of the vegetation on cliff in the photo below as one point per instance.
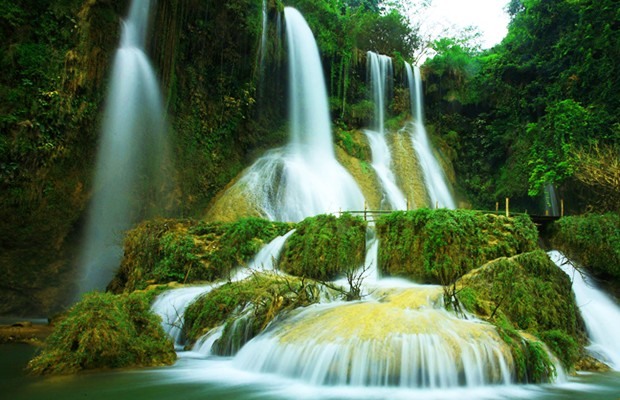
(527, 292)
(325, 247)
(522, 114)
(105, 331)
(592, 240)
(439, 246)
(162, 251)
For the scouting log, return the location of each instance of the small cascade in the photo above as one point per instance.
(600, 313)
(266, 259)
(380, 71)
(304, 178)
(551, 200)
(132, 147)
(405, 340)
(434, 177)
(171, 306)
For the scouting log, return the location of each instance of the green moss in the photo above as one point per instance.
(105, 331)
(531, 360)
(246, 307)
(563, 345)
(592, 240)
(439, 246)
(162, 251)
(324, 247)
(529, 293)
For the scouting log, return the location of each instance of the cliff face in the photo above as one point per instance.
(55, 56)
(58, 55)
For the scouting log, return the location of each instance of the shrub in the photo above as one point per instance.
(592, 240)
(162, 251)
(105, 331)
(324, 247)
(439, 246)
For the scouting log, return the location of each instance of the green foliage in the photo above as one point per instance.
(162, 251)
(529, 293)
(566, 125)
(105, 331)
(246, 307)
(592, 240)
(523, 107)
(532, 362)
(324, 247)
(562, 344)
(530, 290)
(439, 246)
(49, 104)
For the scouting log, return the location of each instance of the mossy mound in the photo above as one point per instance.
(527, 292)
(592, 240)
(246, 308)
(439, 246)
(105, 331)
(324, 247)
(162, 251)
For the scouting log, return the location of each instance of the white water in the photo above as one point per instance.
(304, 178)
(380, 344)
(551, 200)
(380, 72)
(434, 177)
(599, 311)
(131, 147)
(171, 305)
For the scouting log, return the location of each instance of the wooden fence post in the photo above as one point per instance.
(497, 206)
(507, 207)
(561, 207)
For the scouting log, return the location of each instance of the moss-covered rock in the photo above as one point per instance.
(105, 331)
(324, 247)
(529, 293)
(592, 240)
(246, 308)
(162, 251)
(439, 246)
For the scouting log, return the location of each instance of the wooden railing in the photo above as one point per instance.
(371, 215)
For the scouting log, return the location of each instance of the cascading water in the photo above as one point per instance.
(434, 178)
(304, 178)
(600, 313)
(380, 70)
(406, 339)
(551, 200)
(132, 148)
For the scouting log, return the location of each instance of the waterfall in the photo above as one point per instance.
(262, 55)
(551, 200)
(379, 72)
(434, 178)
(387, 343)
(171, 305)
(303, 178)
(131, 151)
(600, 313)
